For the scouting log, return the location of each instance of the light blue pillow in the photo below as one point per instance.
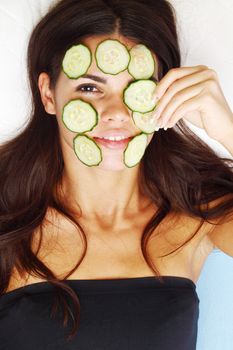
(215, 291)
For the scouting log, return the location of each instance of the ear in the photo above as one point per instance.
(46, 93)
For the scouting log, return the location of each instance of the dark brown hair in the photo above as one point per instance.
(178, 171)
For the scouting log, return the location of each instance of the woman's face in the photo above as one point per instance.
(104, 92)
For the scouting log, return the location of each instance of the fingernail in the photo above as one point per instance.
(165, 129)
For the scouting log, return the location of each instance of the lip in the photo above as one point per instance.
(118, 145)
(115, 132)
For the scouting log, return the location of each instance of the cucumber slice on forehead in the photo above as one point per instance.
(87, 150)
(142, 64)
(76, 61)
(139, 96)
(79, 116)
(135, 150)
(145, 121)
(112, 57)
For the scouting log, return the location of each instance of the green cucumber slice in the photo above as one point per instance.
(87, 150)
(112, 57)
(142, 64)
(76, 61)
(135, 150)
(139, 96)
(145, 121)
(79, 116)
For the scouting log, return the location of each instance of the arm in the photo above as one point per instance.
(227, 142)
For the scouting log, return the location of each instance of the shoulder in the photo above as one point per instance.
(58, 246)
(221, 234)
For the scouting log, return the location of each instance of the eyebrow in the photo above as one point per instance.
(104, 81)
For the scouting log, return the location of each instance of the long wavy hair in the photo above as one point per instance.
(178, 172)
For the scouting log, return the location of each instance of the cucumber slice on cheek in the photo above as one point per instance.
(135, 150)
(79, 116)
(87, 151)
(145, 121)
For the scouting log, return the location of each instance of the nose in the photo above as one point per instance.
(115, 110)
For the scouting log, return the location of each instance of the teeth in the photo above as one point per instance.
(114, 138)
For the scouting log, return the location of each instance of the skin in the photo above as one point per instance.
(111, 174)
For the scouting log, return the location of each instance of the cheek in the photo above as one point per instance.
(62, 95)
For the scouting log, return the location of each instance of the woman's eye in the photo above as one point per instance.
(86, 89)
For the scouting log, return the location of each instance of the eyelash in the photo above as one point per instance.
(86, 86)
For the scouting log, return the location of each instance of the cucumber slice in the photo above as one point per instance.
(135, 150)
(139, 96)
(145, 121)
(79, 116)
(112, 57)
(76, 61)
(142, 64)
(87, 150)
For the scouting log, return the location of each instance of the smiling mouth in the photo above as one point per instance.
(117, 144)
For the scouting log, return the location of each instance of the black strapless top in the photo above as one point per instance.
(117, 314)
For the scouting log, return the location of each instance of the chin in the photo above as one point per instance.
(111, 163)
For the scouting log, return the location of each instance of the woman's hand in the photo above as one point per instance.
(186, 89)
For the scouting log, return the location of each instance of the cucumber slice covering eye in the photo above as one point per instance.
(139, 96)
(112, 57)
(145, 121)
(79, 116)
(135, 150)
(76, 61)
(87, 150)
(142, 64)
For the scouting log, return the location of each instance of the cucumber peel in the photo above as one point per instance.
(135, 150)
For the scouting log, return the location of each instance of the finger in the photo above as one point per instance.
(181, 84)
(174, 74)
(177, 100)
(186, 107)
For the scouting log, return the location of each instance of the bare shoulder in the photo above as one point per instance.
(222, 233)
(58, 239)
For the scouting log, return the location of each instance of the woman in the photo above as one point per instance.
(120, 247)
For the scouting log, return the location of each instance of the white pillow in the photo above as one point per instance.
(17, 19)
